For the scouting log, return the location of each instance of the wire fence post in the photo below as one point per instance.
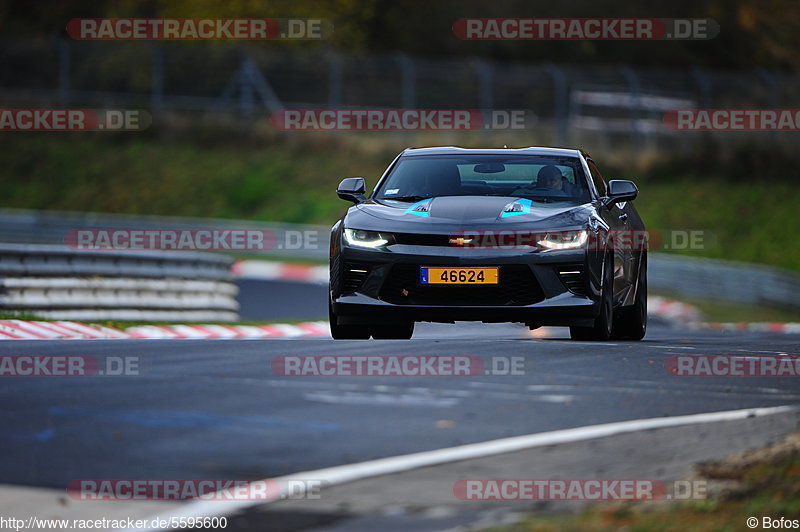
(247, 100)
(62, 47)
(409, 80)
(773, 97)
(335, 79)
(157, 78)
(560, 103)
(485, 92)
(636, 105)
(705, 86)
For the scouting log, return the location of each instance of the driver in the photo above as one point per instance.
(550, 177)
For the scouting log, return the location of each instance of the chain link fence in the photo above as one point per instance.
(598, 104)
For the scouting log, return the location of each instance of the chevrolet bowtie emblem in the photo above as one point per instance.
(460, 241)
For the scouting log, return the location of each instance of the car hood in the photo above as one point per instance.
(447, 213)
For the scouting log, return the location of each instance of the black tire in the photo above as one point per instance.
(346, 332)
(604, 322)
(394, 331)
(631, 321)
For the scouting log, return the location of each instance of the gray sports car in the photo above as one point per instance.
(530, 235)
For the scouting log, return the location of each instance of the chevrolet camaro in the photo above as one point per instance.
(530, 235)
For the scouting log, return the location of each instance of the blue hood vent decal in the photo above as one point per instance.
(420, 208)
(515, 208)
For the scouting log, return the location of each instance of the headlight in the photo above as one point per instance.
(564, 239)
(365, 239)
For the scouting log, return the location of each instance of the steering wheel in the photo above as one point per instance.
(535, 188)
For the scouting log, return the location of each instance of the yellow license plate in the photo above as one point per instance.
(458, 275)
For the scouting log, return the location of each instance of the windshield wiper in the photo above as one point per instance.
(550, 199)
(406, 198)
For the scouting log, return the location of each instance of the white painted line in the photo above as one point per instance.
(670, 346)
(396, 464)
(380, 399)
(553, 398)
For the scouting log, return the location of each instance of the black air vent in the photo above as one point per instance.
(573, 278)
(354, 276)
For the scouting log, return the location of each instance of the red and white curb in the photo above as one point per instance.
(691, 317)
(673, 311)
(770, 327)
(72, 330)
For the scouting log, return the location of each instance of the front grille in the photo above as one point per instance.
(421, 239)
(573, 278)
(517, 287)
(353, 276)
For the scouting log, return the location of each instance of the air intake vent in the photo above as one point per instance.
(354, 276)
(573, 278)
(517, 287)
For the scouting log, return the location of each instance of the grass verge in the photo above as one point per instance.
(760, 483)
(293, 180)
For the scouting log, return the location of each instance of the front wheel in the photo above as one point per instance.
(632, 321)
(346, 332)
(604, 322)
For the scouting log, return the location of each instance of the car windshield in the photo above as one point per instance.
(544, 179)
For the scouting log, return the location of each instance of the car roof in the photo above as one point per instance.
(453, 150)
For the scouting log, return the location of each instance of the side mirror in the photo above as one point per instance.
(352, 189)
(620, 190)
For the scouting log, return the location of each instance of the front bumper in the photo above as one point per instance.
(377, 286)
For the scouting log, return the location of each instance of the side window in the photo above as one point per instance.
(597, 178)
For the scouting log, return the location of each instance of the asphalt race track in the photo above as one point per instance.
(281, 300)
(215, 409)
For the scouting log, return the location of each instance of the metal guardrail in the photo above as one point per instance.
(56, 282)
(724, 280)
(677, 275)
(51, 227)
